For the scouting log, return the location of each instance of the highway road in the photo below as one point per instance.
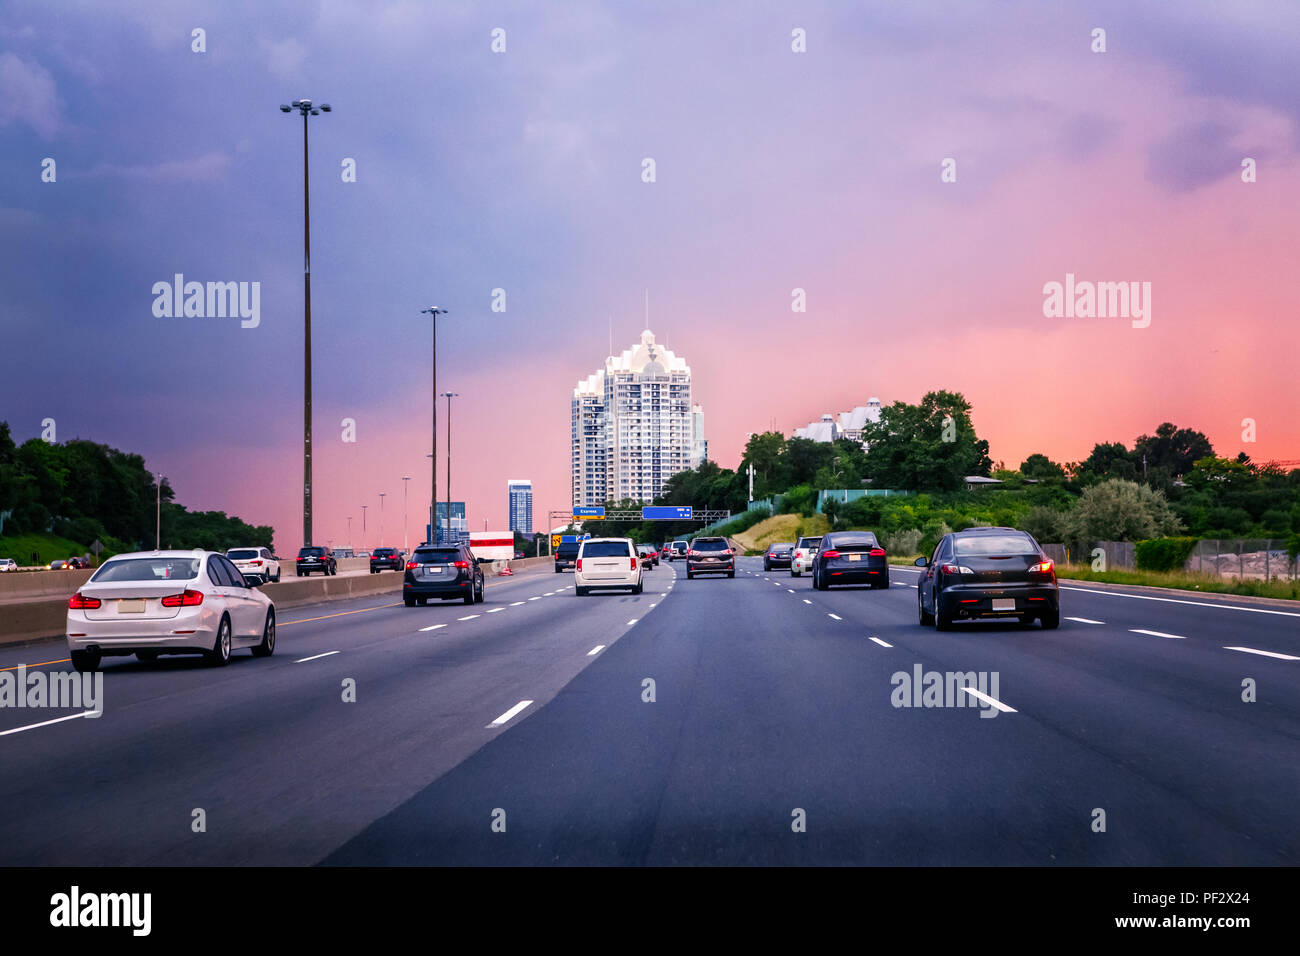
(519, 732)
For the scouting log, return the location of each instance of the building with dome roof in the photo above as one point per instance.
(634, 425)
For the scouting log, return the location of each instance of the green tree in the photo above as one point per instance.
(1119, 510)
(927, 447)
(1042, 468)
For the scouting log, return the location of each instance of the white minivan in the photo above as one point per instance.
(607, 563)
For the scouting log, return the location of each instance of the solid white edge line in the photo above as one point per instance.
(1084, 620)
(1255, 650)
(1152, 597)
(991, 701)
(45, 723)
(595, 650)
(432, 627)
(504, 718)
(315, 657)
(1139, 630)
(881, 643)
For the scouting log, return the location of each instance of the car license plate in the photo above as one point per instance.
(1004, 604)
(855, 557)
(130, 606)
(428, 571)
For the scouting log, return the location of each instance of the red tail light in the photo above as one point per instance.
(729, 551)
(1043, 567)
(557, 556)
(187, 598)
(877, 552)
(579, 564)
(410, 565)
(832, 553)
(950, 569)
(79, 602)
(257, 562)
(634, 564)
(460, 564)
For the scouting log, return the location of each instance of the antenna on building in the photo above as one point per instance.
(611, 335)
(647, 310)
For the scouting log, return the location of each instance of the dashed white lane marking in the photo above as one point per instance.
(1148, 597)
(595, 650)
(505, 718)
(467, 617)
(535, 597)
(806, 601)
(548, 594)
(1084, 620)
(652, 605)
(991, 701)
(630, 623)
(835, 616)
(881, 643)
(791, 590)
(516, 603)
(315, 657)
(1255, 650)
(432, 627)
(495, 609)
(46, 723)
(1139, 630)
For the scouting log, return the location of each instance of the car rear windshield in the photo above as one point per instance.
(810, 542)
(853, 542)
(437, 556)
(148, 569)
(710, 544)
(383, 552)
(311, 552)
(605, 549)
(978, 544)
(242, 554)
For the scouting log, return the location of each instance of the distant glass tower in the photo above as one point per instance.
(520, 507)
(456, 530)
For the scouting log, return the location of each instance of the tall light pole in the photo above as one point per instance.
(406, 543)
(306, 109)
(157, 541)
(449, 396)
(363, 521)
(381, 518)
(433, 312)
(349, 532)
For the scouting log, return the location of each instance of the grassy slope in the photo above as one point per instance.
(780, 528)
(20, 548)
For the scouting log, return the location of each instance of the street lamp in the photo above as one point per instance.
(381, 518)
(349, 532)
(449, 396)
(433, 531)
(306, 109)
(363, 521)
(157, 541)
(433, 311)
(406, 542)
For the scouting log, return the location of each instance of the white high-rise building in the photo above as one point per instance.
(633, 425)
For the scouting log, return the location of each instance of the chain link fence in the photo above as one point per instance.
(1261, 559)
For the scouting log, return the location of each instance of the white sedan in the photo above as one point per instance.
(168, 602)
(606, 563)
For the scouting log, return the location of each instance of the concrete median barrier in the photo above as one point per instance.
(34, 617)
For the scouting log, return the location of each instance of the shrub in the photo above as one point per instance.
(903, 542)
(1164, 554)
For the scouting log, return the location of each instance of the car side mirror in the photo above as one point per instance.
(252, 582)
(920, 562)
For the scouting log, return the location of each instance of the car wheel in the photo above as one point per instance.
(409, 601)
(469, 596)
(637, 589)
(85, 661)
(557, 569)
(146, 657)
(276, 579)
(731, 574)
(880, 584)
(942, 621)
(924, 617)
(579, 592)
(219, 656)
(478, 595)
(267, 647)
(690, 575)
(266, 578)
(1051, 619)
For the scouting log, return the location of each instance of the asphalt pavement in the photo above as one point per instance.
(711, 721)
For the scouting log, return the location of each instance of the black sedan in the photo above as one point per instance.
(778, 555)
(850, 557)
(988, 572)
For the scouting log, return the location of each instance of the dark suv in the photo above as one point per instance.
(566, 555)
(389, 559)
(316, 558)
(850, 557)
(710, 556)
(442, 571)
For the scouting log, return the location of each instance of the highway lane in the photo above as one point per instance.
(770, 698)
(771, 702)
(285, 770)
